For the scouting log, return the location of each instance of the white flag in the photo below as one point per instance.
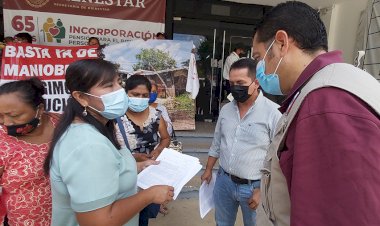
(192, 85)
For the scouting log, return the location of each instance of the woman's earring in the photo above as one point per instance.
(84, 113)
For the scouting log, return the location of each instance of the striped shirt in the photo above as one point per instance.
(242, 144)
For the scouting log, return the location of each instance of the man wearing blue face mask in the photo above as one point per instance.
(324, 158)
(243, 132)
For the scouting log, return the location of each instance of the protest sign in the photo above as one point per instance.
(48, 63)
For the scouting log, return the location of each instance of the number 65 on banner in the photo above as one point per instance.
(20, 23)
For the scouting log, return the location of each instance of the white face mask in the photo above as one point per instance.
(115, 104)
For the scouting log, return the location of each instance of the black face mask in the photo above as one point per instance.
(22, 129)
(240, 93)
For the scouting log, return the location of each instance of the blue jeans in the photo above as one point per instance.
(228, 196)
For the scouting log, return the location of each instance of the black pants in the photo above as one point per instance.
(150, 211)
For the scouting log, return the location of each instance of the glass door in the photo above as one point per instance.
(214, 41)
(208, 40)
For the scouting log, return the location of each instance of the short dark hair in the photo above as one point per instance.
(299, 20)
(26, 36)
(238, 46)
(160, 34)
(136, 80)
(91, 38)
(248, 63)
(30, 91)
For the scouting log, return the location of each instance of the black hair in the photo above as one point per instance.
(8, 39)
(24, 35)
(136, 80)
(248, 63)
(300, 21)
(160, 34)
(30, 91)
(81, 76)
(91, 38)
(238, 46)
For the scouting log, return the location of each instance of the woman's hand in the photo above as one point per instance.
(155, 153)
(140, 157)
(142, 165)
(162, 194)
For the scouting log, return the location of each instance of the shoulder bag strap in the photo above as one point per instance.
(122, 131)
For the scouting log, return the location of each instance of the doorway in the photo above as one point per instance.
(214, 40)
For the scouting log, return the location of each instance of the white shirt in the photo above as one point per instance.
(242, 144)
(227, 65)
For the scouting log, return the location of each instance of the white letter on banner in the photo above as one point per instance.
(45, 53)
(10, 70)
(59, 70)
(92, 53)
(81, 53)
(29, 52)
(129, 2)
(10, 51)
(24, 71)
(108, 2)
(48, 70)
(140, 2)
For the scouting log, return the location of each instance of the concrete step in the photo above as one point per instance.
(197, 144)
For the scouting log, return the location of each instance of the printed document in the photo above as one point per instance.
(206, 198)
(175, 169)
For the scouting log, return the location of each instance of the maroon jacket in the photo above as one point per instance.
(331, 158)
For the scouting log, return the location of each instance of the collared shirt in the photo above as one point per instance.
(331, 155)
(242, 144)
(227, 65)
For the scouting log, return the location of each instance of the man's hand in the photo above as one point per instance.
(207, 175)
(255, 199)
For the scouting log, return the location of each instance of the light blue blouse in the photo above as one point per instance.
(89, 173)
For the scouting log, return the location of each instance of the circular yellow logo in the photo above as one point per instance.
(37, 3)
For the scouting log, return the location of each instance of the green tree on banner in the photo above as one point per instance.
(154, 60)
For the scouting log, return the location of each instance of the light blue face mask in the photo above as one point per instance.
(115, 104)
(137, 104)
(269, 82)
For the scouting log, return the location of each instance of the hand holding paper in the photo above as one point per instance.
(175, 169)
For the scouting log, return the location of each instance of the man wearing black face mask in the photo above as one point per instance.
(243, 132)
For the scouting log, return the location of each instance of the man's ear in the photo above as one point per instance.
(282, 40)
(256, 82)
(80, 97)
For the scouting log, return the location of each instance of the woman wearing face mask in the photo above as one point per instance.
(164, 112)
(25, 135)
(145, 131)
(144, 126)
(93, 180)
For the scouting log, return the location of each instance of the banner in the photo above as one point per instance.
(72, 22)
(165, 63)
(49, 64)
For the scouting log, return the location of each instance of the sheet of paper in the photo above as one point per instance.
(175, 169)
(206, 197)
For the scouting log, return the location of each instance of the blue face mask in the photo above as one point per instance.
(137, 104)
(152, 97)
(115, 104)
(269, 82)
